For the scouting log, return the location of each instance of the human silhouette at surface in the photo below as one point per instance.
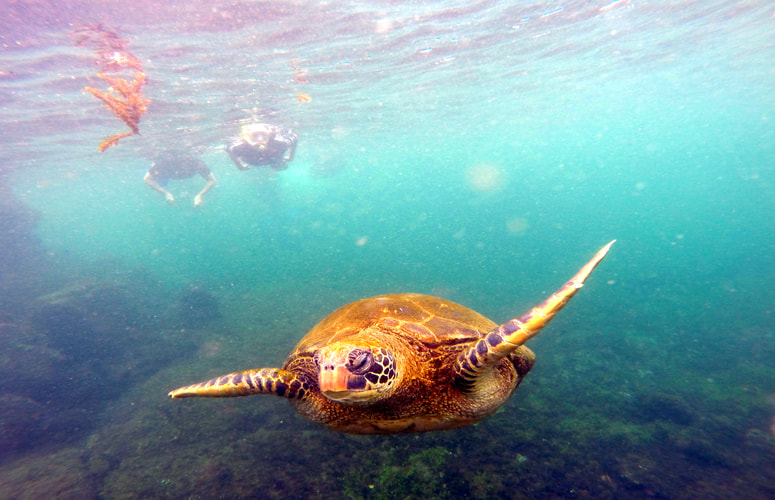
(262, 144)
(178, 165)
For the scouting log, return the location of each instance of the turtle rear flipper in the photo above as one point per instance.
(246, 383)
(503, 340)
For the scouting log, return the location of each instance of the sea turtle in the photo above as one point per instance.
(401, 363)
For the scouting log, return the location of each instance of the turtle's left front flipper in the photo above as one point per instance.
(503, 340)
(263, 381)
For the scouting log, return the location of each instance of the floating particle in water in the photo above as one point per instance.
(517, 225)
(485, 177)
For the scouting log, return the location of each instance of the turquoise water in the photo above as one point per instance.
(481, 153)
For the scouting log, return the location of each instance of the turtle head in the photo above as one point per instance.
(355, 374)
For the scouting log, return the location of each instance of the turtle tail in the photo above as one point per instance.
(263, 381)
(504, 339)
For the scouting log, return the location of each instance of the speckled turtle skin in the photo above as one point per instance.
(401, 363)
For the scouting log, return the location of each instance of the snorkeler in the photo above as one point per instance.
(178, 165)
(262, 144)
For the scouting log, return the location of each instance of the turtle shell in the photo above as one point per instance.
(425, 334)
(416, 317)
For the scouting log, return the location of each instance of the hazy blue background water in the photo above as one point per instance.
(477, 151)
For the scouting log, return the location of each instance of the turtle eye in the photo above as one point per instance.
(360, 361)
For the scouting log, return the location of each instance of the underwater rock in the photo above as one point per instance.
(703, 450)
(640, 473)
(197, 307)
(668, 407)
(83, 345)
(85, 320)
(56, 474)
(23, 422)
(27, 365)
(757, 438)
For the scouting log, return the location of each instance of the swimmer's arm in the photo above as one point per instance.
(156, 187)
(210, 183)
(235, 157)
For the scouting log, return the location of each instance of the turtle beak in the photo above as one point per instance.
(338, 383)
(333, 379)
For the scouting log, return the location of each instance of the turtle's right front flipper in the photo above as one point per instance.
(263, 381)
(504, 339)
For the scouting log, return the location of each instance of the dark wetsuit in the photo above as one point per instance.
(171, 165)
(272, 154)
